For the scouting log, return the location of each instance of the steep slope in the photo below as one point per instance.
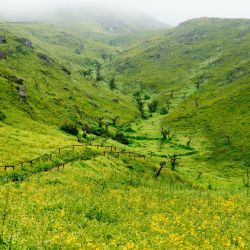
(199, 71)
(48, 77)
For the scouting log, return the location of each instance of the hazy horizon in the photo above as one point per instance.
(170, 12)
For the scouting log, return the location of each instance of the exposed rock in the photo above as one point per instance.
(26, 42)
(65, 70)
(22, 93)
(3, 55)
(2, 39)
(45, 58)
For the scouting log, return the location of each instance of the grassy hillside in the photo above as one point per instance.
(161, 120)
(199, 71)
(52, 83)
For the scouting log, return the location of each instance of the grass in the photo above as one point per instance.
(106, 202)
(89, 205)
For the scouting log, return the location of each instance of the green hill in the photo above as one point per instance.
(141, 133)
(204, 63)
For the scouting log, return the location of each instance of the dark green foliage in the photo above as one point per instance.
(21, 50)
(86, 72)
(139, 102)
(120, 137)
(2, 116)
(152, 107)
(112, 84)
(98, 214)
(66, 70)
(99, 78)
(128, 128)
(70, 128)
(163, 111)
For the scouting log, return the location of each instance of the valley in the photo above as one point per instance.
(131, 96)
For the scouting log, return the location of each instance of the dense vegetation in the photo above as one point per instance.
(179, 97)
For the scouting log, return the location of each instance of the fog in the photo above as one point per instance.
(168, 11)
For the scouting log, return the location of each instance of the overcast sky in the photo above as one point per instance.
(169, 11)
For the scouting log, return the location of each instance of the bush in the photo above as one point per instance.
(152, 107)
(120, 137)
(163, 111)
(2, 116)
(128, 128)
(70, 129)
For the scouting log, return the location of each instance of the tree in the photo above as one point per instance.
(197, 84)
(167, 133)
(168, 103)
(112, 84)
(197, 102)
(172, 94)
(162, 165)
(86, 129)
(98, 72)
(100, 121)
(153, 106)
(173, 158)
(163, 111)
(120, 137)
(189, 141)
(70, 128)
(115, 120)
(139, 102)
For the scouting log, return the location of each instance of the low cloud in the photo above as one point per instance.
(170, 11)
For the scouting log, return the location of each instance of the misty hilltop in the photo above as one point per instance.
(96, 19)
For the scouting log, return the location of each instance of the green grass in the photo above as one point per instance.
(101, 204)
(106, 202)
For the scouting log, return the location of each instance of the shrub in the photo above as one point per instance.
(112, 84)
(70, 129)
(152, 107)
(163, 111)
(120, 137)
(2, 116)
(128, 128)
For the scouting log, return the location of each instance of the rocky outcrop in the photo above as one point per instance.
(22, 93)
(2, 39)
(45, 58)
(25, 41)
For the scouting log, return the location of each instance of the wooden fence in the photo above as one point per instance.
(48, 157)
